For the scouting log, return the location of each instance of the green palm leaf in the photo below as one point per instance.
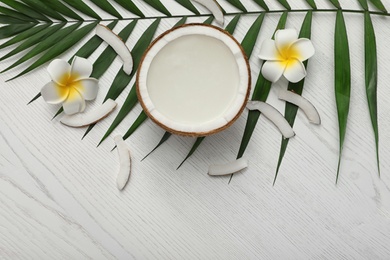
(262, 4)
(15, 14)
(237, 4)
(342, 79)
(106, 6)
(24, 35)
(82, 7)
(163, 140)
(59, 7)
(285, 4)
(335, 3)
(44, 9)
(156, 4)
(25, 10)
(291, 110)
(260, 93)
(378, 4)
(6, 19)
(188, 4)
(13, 29)
(198, 141)
(364, 4)
(312, 4)
(371, 77)
(45, 44)
(130, 6)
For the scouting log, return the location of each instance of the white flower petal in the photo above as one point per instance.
(88, 88)
(74, 103)
(81, 68)
(284, 38)
(273, 70)
(53, 93)
(295, 71)
(302, 49)
(268, 51)
(59, 71)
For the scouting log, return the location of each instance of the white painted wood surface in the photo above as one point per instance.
(58, 196)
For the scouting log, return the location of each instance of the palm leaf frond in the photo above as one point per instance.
(44, 9)
(25, 10)
(24, 35)
(83, 8)
(342, 79)
(106, 6)
(130, 6)
(378, 4)
(164, 138)
(285, 4)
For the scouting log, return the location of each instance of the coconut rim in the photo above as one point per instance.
(195, 133)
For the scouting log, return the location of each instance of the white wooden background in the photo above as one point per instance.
(58, 197)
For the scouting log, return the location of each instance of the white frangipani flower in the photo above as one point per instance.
(284, 56)
(71, 84)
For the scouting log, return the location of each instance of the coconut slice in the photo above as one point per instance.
(80, 120)
(274, 115)
(118, 45)
(229, 168)
(214, 8)
(304, 104)
(194, 80)
(125, 162)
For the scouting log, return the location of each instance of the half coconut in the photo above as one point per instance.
(194, 80)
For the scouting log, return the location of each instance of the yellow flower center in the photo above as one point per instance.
(69, 86)
(286, 54)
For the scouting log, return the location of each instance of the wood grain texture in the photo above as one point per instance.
(58, 196)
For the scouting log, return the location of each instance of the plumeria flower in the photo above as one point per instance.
(284, 56)
(71, 85)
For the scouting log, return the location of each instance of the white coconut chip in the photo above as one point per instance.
(81, 120)
(125, 162)
(214, 8)
(304, 104)
(274, 115)
(228, 168)
(118, 45)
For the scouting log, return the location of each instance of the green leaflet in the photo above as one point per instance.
(285, 4)
(106, 6)
(122, 80)
(371, 77)
(209, 20)
(291, 110)
(6, 19)
(232, 24)
(82, 7)
(59, 47)
(26, 10)
(342, 79)
(250, 38)
(163, 140)
(61, 8)
(38, 37)
(140, 119)
(188, 4)
(262, 4)
(198, 141)
(378, 4)
(13, 29)
(17, 15)
(312, 4)
(43, 9)
(364, 4)
(260, 93)
(24, 35)
(130, 6)
(45, 44)
(335, 3)
(156, 4)
(237, 4)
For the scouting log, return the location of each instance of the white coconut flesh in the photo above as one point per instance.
(274, 116)
(304, 104)
(118, 45)
(194, 80)
(228, 168)
(80, 120)
(124, 162)
(214, 8)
